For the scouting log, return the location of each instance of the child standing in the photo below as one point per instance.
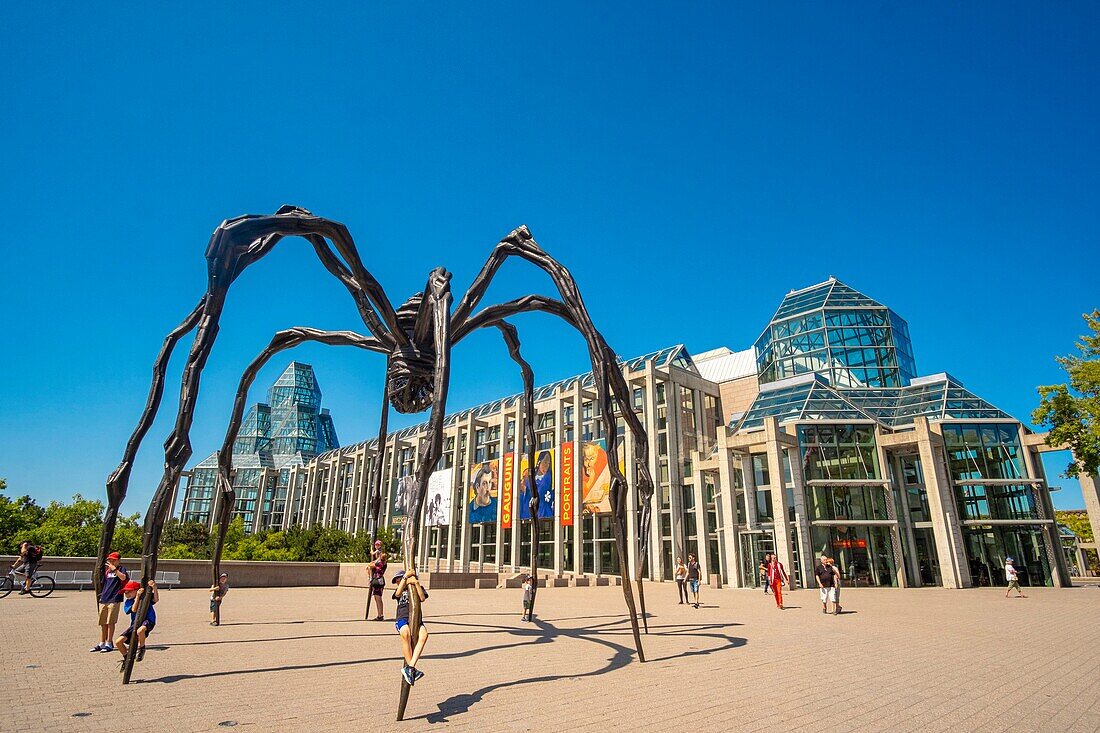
(528, 596)
(133, 591)
(407, 584)
(114, 577)
(217, 593)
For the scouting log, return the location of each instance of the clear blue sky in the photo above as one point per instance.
(690, 164)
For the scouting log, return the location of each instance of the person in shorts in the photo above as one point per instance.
(110, 599)
(1013, 578)
(407, 583)
(826, 583)
(378, 579)
(693, 578)
(133, 593)
(217, 593)
(528, 596)
(27, 563)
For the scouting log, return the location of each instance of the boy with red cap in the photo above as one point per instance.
(114, 577)
(133, 592)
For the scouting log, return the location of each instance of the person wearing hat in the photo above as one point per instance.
(217, 593)
(1013, 578)
(378, 578)
(407, 583)
(114, 577)
(133, 592)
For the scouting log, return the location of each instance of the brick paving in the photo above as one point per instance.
(298, 659)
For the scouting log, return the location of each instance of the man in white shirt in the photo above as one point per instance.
(1013, 579)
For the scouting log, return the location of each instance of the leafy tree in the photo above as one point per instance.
(1078, 524)
(71, 530)
(17, 518)
(1071, 411)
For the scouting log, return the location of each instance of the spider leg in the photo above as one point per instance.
(235, 244)
(439, 293)
(118, 481)
(520, 243)
(281, 341)
(511, 339)
(376, 477)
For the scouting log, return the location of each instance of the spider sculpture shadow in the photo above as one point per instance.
(416, 339)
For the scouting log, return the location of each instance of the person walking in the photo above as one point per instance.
(826, 583)
(378, 580)
(764, 572)
(777, 576)
(1013, 578)
(693, 577)
(114, 577)
(839, 582)
(681, 575)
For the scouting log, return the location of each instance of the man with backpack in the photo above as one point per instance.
(27, 563)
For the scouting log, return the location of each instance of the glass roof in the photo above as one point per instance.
(673, 355)
(830, 294)
(810, 397)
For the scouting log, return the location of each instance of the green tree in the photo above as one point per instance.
(72, 530)
(17, 518)
(1078, 524)
(1071, 412)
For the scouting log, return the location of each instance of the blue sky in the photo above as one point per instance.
(689, 164)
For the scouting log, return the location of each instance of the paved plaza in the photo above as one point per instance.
(299, 659)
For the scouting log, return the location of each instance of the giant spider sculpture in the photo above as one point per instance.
(416, 339)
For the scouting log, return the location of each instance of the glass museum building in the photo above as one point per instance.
(822, 438)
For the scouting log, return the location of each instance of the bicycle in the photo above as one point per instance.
(41, 585)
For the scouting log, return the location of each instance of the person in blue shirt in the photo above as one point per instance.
(133, 592)
(114, 577)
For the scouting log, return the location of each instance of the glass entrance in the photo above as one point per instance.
(925, 545)
(987, 547)
(754, 545)
(864, 554)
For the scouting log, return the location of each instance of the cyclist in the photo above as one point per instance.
(27, 563)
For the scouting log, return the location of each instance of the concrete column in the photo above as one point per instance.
(700, 519)
(649, 419)
(802, 523)
(1090, 490)
(1059, 570)
(779, 495)
(558, 442)
(946, 529)
(578, 505)
(727, 510)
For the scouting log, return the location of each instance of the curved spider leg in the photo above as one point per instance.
(119, 480)
(439, 293)
(234, 245)
(511, 339)
(281, 341)
(520, 243)
(375, 478)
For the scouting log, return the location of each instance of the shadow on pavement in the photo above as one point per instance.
(459, 704)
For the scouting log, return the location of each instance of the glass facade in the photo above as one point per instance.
(288, 430)
(833, 330)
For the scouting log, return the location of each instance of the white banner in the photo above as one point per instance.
(438, 511)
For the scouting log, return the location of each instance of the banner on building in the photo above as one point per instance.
(438, 512)
(481, 497)
(567, 450)
(403, 492)
(506, 491)
(596, 478)
(544, 484)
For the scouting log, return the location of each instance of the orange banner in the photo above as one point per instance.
(506, 492)
(567, 484)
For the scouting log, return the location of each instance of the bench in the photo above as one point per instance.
(167, 578)
(79, 578)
